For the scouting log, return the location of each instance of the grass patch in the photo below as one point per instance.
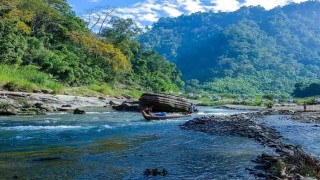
(27, 79)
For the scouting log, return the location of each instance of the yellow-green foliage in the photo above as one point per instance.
(26, 78)
(113, 55)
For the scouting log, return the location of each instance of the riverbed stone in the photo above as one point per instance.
(130, 105)
(8, 111)
(114, 103)
(79, 111)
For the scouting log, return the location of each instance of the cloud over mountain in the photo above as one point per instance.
(147, 12)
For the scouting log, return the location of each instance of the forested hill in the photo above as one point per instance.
(250, 50)
(46, 36)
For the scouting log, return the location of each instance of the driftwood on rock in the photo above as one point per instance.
(164, 102)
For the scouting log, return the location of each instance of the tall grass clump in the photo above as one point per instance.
(26, 78)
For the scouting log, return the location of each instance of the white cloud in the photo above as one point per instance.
(225, 5)
(150, 17)
(172, 12)
(267, 4)
(191, 6)
(147, 12)
(299, 1)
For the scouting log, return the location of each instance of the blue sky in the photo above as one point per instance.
(146, 12)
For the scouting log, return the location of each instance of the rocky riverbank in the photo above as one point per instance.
(13, 103)
(308, 117)
(311, 115)
(288, 160)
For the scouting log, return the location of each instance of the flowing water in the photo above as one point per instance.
(104, 144)
(307, 135)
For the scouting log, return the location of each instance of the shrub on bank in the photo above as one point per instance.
(26, 78)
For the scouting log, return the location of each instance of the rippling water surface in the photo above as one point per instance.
(104, 144)
(307, 135)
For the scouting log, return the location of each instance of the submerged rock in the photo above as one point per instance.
(79, 111)
(41, 159)
(155, 172)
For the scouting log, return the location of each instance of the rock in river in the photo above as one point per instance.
(8, 112)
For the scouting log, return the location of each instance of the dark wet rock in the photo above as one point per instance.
(41, 159)
(46, 91)
(8, 111)
(44, 107)
(128, 106)
(37, 91)
(102, 98)
(127, 96)
(114, 103)
(119, 97)
(64, 109)
(155, 172)
(79, 111)
(237, 125)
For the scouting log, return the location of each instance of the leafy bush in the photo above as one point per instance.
(26, 78)
(269, 104)
(4, 105)
(14, 86)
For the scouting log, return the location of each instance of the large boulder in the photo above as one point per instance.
(114, 103)
(8, 112)
(164, 102)
(79, 111)
(128, 106)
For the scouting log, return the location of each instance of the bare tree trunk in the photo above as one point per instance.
(105, 18)
(101, 13)
(95, 23)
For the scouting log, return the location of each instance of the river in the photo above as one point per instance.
(105, 144)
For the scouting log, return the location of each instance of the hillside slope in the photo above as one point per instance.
(251, 50)
(46, 36)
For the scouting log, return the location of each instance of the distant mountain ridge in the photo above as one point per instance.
(250, 50)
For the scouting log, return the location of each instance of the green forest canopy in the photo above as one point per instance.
(249, 51)
(47, 34)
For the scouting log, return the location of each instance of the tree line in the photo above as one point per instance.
(249, 51)
(48, 35)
